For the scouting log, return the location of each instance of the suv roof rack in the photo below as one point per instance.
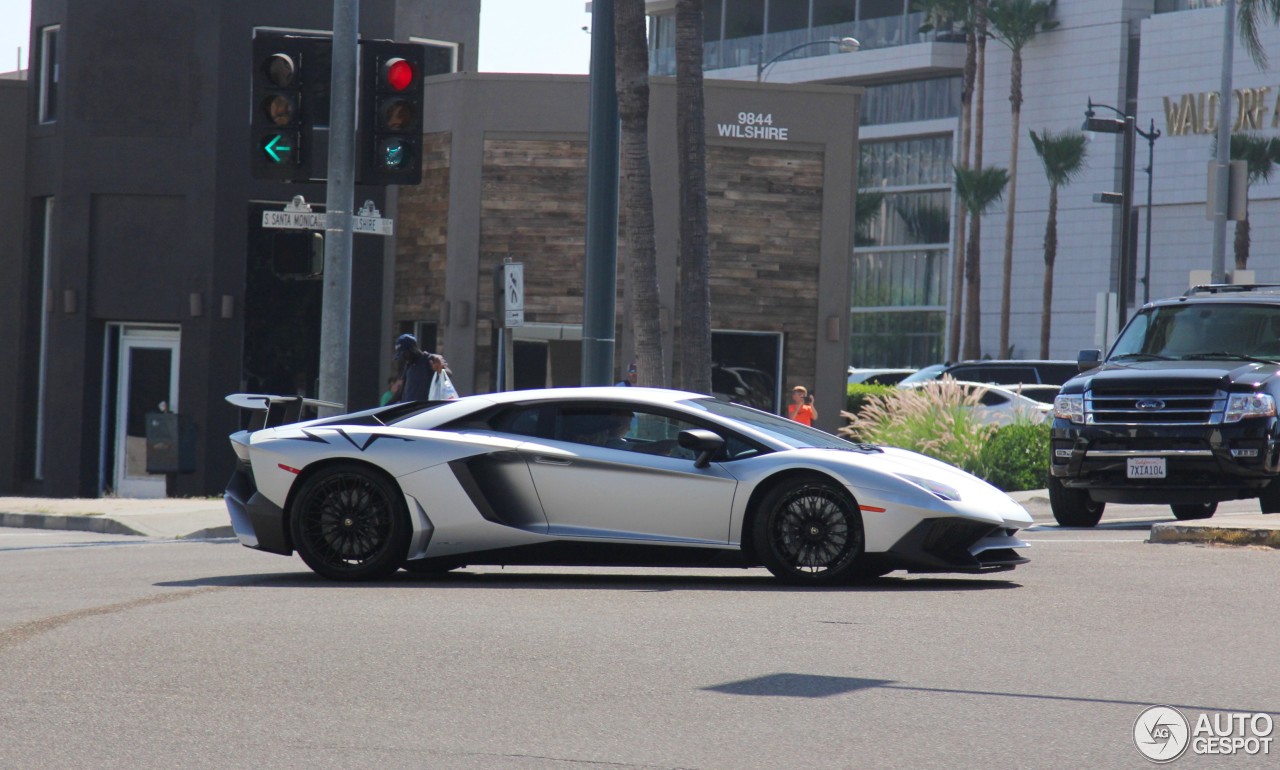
(1233, 288)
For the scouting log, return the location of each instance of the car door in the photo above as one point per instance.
(611, 473)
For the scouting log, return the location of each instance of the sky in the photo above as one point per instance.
(515, 35)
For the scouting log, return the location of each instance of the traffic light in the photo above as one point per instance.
(282, 114)
(390, 113)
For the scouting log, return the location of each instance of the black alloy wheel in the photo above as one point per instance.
(350, 522)
(809, 532)
(1187, 511)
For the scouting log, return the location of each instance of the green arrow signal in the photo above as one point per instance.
(279, 152)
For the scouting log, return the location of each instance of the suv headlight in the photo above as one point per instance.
(1242, 405)
(1069, 408)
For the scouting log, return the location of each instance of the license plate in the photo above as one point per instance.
(1146, 468)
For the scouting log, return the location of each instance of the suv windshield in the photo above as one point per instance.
(1208, 330)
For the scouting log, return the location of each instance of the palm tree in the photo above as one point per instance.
(632, 74)
(978, 189)
(1249, 15)
(695, 283)
(1260, 154)
(1015, 23)
(1062, 156)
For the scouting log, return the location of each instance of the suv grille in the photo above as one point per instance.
(1155, 405)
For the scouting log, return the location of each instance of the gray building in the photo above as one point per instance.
(142, 282)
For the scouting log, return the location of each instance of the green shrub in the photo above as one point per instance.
(857, 394)
(1016, 457)
(935, 420)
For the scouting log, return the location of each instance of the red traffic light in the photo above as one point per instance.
(397, 74)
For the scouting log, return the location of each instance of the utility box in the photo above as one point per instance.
(171, 443)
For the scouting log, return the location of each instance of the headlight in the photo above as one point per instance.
(941, 490)
(1069, 408)
(1242, 405)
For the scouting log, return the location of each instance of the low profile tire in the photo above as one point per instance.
(350, 522)
(1073, 507)
(1194, 511)
(808, 531)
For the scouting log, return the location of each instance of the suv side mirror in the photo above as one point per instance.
(704, 442)
(1089, 359)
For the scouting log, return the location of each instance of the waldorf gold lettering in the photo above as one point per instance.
(1197, 113)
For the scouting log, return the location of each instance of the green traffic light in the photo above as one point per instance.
(277, 149)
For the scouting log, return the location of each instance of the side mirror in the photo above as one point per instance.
(1089, 359)
(704, 442)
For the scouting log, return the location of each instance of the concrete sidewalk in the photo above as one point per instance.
(168, 518)
(184, 517)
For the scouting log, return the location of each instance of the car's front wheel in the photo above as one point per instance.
(349, 522)
(808, 531)
(1188, 511)
(1073, 507)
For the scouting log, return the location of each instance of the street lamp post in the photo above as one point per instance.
(845, 44)
(1127, 126)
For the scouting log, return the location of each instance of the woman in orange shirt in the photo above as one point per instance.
(801, 407)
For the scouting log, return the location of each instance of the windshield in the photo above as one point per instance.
(1209, 330)
(789, 432)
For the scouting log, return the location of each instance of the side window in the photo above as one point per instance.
(994, 398)
(49, 75)
(651, 433)
(522, 421)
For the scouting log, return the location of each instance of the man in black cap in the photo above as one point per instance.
(416, 369)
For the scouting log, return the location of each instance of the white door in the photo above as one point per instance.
(147, 381)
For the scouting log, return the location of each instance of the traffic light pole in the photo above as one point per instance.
(335, 320)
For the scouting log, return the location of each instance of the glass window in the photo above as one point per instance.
(827, 12)
(712, 14)
(908, 219)
(899, 278)
(744, 18)
(662, 31)
(615, 426)
(49, 74)
(907, 338)
(786, 15)
(879, 9)
(920, 161)
(913, 100)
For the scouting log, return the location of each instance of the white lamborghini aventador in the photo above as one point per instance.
(603, 476)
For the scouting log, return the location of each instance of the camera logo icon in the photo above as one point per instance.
(1161, 734)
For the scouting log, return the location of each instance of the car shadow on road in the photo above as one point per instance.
(519, 580)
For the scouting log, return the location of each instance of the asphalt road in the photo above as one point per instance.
(126, 652)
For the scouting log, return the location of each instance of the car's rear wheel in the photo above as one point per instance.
(1073, 507)
(808, 531)
(1187, 511)
(350, 522)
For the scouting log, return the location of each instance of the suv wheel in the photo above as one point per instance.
(1194, 510)
(1073, 507)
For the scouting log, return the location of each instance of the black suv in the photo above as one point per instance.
(1182, 411)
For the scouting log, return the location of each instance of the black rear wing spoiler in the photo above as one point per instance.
(274, 411)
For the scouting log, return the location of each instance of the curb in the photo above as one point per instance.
(101, 525)
(1183, 533)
